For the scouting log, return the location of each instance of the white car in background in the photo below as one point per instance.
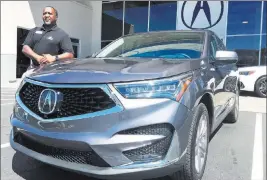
(253, 79)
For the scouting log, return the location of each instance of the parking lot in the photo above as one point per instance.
(236, 151)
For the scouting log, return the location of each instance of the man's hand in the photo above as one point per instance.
(41, 59)
(49, 58)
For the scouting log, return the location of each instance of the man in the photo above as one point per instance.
(48, 43)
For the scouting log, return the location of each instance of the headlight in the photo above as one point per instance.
(172, 88)
(246, 73)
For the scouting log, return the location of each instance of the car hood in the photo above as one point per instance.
(109, 70)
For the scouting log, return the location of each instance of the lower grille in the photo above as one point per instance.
(155, 151)
(158, 149)
(75, 156)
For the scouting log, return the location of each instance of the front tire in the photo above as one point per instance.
(260, 87)
(232, 117)
(197, 151)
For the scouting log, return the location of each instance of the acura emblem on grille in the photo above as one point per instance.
(48, 101)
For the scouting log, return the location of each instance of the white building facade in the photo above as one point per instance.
(81, 20)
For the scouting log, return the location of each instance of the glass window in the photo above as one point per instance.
(264, 27)
(263, 50)
(112, 14)
(247, 48)
(136, 16)
(162, 15)
(220, 44)
(213, 48)
(244, 17)
(172, 45)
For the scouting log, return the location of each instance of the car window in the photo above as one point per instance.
(220, 44)
(213, 48)
(171, 45)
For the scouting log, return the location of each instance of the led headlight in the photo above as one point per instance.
(172, 88)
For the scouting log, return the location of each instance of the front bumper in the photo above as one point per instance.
(152, 170)
(106, 137)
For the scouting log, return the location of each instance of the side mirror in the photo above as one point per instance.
(230, 56)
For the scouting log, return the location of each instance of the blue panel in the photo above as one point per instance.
(264, 27)
(112, 18)
(136, 16)
(244, 17)
(162, 15)
(247, 48)
(263, 50)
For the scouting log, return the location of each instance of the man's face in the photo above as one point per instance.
(49, 15)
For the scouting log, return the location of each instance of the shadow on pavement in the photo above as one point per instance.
(31, 169)
(246, 93)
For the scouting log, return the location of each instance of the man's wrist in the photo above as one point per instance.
(56, 58)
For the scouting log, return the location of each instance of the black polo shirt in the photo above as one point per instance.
(53, 41)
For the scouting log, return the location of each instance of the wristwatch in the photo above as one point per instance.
(57, 58)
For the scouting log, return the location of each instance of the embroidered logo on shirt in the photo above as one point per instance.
(50, 38)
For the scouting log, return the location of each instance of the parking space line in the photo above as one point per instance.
(5, 145)
(257, 163)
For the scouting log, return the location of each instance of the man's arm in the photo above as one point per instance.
(65, 47)
(27, 50)
(27, 47)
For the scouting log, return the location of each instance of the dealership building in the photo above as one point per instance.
(94, 24)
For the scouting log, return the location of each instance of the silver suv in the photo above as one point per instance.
(143, 107)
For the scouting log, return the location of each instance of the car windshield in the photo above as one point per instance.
(170, 45)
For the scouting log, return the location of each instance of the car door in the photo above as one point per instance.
(219, 72)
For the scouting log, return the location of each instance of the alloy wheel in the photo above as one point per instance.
(201, 143)
(262, 86)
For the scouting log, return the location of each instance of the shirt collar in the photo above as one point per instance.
(54, 27)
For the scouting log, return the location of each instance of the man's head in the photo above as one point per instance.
(50, 15)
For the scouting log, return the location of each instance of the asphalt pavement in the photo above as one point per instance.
(236, 151)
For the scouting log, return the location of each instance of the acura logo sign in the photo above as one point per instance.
(202, 7)
(49, 101)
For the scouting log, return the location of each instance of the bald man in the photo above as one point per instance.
(48, 43)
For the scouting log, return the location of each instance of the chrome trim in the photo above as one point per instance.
(55, 103)
(118, 108)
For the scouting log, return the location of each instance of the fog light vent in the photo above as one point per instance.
(155, 129)
(153, 152)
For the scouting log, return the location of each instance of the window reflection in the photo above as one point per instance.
(244, 17)
(264, 27)
(112, 18)
(162, 15)
(136, 16)
(263, 50)
(247, 48)
(171, 45)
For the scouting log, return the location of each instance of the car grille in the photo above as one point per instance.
(76, 101)
(75, 156)
(158, 148)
